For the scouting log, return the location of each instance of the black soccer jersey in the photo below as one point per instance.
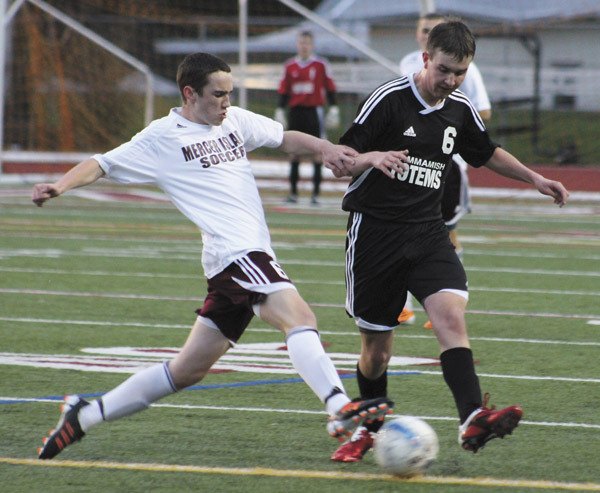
(395, 117)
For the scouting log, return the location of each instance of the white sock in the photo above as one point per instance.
(315, 367)
(133, 395)
(89, 416)
(409, 302)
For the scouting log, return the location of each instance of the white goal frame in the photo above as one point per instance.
(7, 13)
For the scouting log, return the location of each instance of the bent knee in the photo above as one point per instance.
(183, 375)
(309, 318)
(374, 363)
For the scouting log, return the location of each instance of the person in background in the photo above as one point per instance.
(456, 201)
(198, 156)
(303, 89)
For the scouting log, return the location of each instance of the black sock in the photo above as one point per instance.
(370, 389)
(459, 373)
(294, 176)
(317, 177)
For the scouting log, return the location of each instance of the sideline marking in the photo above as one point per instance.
(302, 474)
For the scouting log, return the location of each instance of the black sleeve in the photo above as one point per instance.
(475, 145)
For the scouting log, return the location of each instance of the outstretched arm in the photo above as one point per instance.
(506, 164)
(299, 143)
(84, 173)
(389, 163)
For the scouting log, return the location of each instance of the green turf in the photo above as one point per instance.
(83, 274)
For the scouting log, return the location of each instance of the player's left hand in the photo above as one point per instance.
(554, 189)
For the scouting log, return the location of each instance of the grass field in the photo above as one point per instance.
(84, 279)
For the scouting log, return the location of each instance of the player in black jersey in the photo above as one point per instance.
(396, 237)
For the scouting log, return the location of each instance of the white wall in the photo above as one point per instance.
(507, 67)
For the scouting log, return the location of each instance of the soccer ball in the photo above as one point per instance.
(405, 446)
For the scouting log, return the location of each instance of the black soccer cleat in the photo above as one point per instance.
(355, 413)
(67, 431)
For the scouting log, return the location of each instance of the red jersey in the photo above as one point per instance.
(305, 82)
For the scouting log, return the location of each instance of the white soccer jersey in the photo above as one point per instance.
(205, 172)
(472, 86)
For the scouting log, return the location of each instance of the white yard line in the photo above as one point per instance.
(195, 245)
(105, 323)
(157, 253)
(147, 297)
(550, 424)
(174, 275)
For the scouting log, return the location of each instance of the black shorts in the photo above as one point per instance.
(233, 292)
(307, 119)
(385, 260)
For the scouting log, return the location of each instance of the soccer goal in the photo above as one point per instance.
(82, 77)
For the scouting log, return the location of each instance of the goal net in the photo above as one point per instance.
(78, 73)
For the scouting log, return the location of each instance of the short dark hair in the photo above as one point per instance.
(453, 38)
(306, 34)
(195, 68)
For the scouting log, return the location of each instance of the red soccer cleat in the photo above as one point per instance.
(354, 449)
(484, 424)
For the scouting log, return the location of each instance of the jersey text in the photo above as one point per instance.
(211, 152)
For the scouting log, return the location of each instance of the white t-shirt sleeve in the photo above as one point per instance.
(475, 90)
(258, 130)
(411, 63)
(133, 162)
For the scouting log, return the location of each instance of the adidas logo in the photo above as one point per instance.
(179, 125)
(410, 132)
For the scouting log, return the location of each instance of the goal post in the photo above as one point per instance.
(83, 77)
(66, 134)
(70, 88)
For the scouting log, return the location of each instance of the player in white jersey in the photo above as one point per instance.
(198, 156)
(456, 201)
(472, 86)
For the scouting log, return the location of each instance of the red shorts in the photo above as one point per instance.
(234, 291)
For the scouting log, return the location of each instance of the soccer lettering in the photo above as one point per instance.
(188, 153)
(212, 152)
(236, 140)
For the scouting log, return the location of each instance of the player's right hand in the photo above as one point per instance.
(390, 163)
(43, 192)
(339, 159)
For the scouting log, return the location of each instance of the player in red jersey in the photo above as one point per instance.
(304, 87)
